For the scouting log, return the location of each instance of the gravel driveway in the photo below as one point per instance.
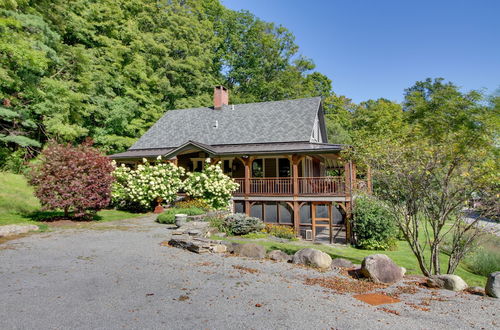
(118, 276)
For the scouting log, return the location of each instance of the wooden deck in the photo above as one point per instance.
(307, 186)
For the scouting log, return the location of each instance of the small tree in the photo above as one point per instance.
(427, 187)
(74, 179)
(212, 185)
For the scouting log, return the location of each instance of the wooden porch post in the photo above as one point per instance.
(347, 175)
(247, 162)
(295, 180)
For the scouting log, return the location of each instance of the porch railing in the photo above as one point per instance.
(284, 186)
(328, 185)
(241, 188)
(271, 186)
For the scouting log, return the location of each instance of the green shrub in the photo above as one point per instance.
(168, 216)
(199, 203)
(374, 227)
(484, 262)
(241, 224)
(280, 231)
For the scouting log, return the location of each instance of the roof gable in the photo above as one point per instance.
(264, 122)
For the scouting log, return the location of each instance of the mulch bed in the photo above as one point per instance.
(345, 285)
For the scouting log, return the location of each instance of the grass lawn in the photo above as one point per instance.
(18, 205)
(403, 256)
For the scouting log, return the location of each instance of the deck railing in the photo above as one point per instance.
(328, 185)
(271, 186)
(331, 186)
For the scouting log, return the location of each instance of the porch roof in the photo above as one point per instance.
(235, 149)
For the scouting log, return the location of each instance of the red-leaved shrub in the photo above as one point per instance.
(73, 179)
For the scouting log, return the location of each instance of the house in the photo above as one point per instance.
(277, 151)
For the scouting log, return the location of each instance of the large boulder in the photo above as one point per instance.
(492, 288)
(278, 255)
(313, 258)
(381, 269)
(250, 250)
(447, 281)
(342, 263)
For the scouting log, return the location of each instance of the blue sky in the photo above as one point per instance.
(377, 48)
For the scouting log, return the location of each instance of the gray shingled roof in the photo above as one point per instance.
(264, 122)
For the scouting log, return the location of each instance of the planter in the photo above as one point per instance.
(180, 219)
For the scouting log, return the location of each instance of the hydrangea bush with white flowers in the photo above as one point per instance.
(147, 183)
(212, 185)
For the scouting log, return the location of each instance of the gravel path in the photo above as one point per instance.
(117, 275)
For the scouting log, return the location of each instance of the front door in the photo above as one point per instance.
(321, 221)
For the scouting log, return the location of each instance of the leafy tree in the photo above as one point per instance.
(74, 179)
(433, 166)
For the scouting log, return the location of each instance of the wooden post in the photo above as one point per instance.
(247, 162)
(348, 218)
(295, 181)
(347, 175)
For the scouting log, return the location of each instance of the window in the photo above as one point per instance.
(256, 210)
(283, 167)
(286, 213)
(271, 212)
(305, 214)
(257, 168)
(239, 207)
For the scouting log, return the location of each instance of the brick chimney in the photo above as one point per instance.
(221, 97)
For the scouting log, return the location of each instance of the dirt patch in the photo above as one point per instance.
(66, 223)
(376, 299)
(246, 269)
(344, 285)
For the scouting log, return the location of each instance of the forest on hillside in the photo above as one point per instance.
(109, 69)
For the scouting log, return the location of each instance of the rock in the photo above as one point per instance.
(11, 230)
(250, 250)
(381, 269)
(313, 258)
(194, 232)
(492, 288)
(403, 271)
(278, 255)
(342, 263)
(190, 244)
(231, 246)
(447, 281)
(218, 248)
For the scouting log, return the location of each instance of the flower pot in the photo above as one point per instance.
(180, 219)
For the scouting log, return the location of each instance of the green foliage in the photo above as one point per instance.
(147, 183)
(241, 224)
(212, 185)
(374, 226)
(109, 69)
(280, 231)
(484, 261)
(168, 216)
(199, 203)
(217, 221)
